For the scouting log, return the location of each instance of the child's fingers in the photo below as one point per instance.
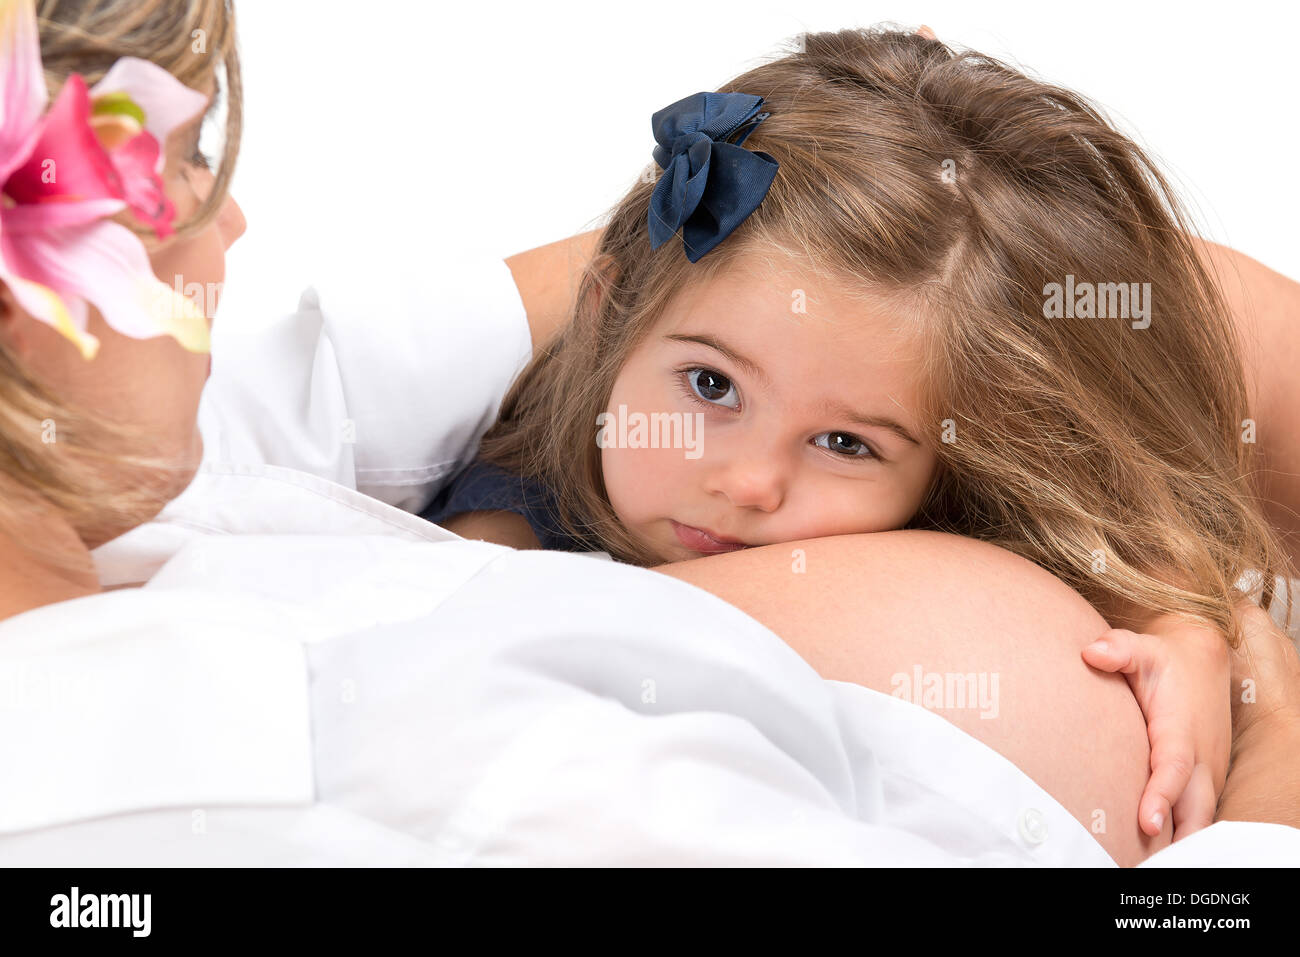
(1172, 763)
(1195, 809)
(1118, 650)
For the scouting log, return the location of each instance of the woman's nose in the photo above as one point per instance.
(231, 222)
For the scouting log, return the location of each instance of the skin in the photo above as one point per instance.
(1265, 776)
(1265, 307)
(773, 464)
(153, 383)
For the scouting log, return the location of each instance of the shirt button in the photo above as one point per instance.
(1033, 828)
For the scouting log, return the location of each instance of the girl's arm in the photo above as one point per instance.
(1190, 731)
(1176, 668)
(547, 278)
(498, 527)
(1265, 308)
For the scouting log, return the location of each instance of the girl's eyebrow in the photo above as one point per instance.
(879, 421)
(754, 369)
(749, 365)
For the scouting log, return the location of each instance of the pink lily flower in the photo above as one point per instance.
(64, 172)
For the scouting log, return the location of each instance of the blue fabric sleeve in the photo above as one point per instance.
(482, 486)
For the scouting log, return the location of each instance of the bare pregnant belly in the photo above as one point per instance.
(867, 608)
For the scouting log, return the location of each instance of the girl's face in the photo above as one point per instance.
(807, 418)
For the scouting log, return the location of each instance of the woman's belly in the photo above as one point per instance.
(986, 639)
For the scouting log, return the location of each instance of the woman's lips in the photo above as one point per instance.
(701, 541)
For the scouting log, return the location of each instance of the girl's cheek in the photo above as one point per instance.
(620, 469)
(640, 482)
(619, 484)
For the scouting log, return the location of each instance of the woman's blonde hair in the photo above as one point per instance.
(953, 184)
(51, 451)
(193, 40)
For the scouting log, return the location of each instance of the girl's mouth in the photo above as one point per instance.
(699, 540)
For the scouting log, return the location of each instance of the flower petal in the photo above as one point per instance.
(134, 162)
(105, 264)
(68, 162)
(166, 101)
(45, 305)
(38, 216)
(22, 82)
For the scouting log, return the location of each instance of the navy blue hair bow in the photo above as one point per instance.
(709, 185)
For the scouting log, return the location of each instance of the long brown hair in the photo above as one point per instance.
(1109, 453)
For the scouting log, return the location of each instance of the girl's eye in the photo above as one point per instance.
(706, 387)
(848, 442)
(199, 160)
(710, 386)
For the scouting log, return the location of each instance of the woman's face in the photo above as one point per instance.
(807, 418)
(151, 383)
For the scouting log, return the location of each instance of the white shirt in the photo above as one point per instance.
(311, 676)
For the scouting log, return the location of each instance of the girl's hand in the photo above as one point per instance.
(1178, 672)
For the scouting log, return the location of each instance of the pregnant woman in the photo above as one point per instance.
(267, 679)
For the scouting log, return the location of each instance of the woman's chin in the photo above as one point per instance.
(159, 488)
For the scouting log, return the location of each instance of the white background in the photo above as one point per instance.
(440, 128)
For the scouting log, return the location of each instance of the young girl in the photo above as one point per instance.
(964, 302)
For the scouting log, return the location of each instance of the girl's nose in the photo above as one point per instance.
(750, 481)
